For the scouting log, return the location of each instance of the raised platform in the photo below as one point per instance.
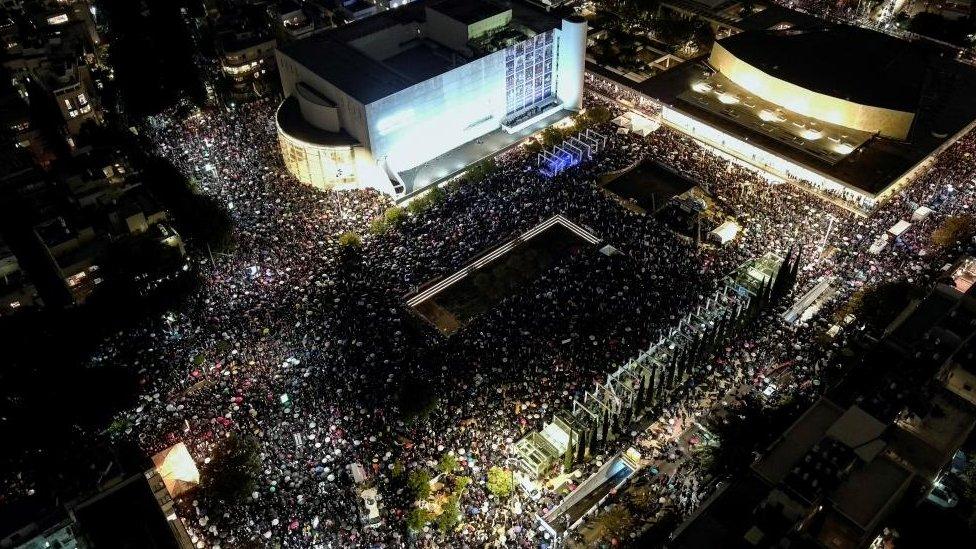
(459, 158)
(613, 474)
(451, 302)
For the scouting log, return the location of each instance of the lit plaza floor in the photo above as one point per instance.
(459, 158)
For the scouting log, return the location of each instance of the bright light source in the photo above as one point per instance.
(701, 87)
(728, 98)
(843, 148)
(811, 135)
(395, 121)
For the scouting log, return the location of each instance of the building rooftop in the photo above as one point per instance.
(290, 119)
(852, 63)
(333, 56)
(421, 62)
(129, 515)
(347, 68)
(869, 489)
(468, 12)
(949, 104)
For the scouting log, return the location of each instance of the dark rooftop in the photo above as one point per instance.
(331, 55)
(290, 119)
(852, 63)
(468, 12)
(421, 62)
(126, 516)
(345, 67)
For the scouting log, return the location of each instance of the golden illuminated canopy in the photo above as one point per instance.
(773, 66)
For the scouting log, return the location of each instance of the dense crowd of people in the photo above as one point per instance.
(305, 346)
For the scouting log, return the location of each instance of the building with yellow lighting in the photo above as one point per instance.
(846, 111)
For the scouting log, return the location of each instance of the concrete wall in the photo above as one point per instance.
(317, 112)
(486, 25)
(387, 42)
(446, 31)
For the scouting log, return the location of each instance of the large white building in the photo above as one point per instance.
(374, 102)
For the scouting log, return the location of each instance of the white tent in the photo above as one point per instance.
(621, 121)
(879, 244)
(178, 470)
(921, 213)
(898, 228)
(724, 232)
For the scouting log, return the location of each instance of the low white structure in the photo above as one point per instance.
(898, 228)
(724, 233)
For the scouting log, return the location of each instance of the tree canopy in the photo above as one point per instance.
(233, 471)
(954, 229)
(500, 482)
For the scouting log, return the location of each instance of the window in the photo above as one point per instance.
(529, 74)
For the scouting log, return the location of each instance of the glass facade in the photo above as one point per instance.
(436, 115)
(529, 67)
(321, 167)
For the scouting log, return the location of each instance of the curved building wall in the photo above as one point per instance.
(572, 58)
(888, 122)
(323, 167)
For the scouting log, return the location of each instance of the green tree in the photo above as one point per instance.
(398, 469)
(879, 304)
(419, 484)
(450, 514)
(480, 171)
(954, 229)
(417, 519)
(460, 484)
(500, 482)
(533, 146)
(615, 522)
(968, 477)
(448, 464)
(394, 215)
(233, 471)
(378, 226)
(350, 240)
(415, 399)
(597, 115)
(436, 195)
(198, 217)
(551, 137)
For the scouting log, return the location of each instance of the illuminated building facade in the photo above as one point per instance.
(845, 112)
(886, 106)
(247, 64)
(373, 99)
